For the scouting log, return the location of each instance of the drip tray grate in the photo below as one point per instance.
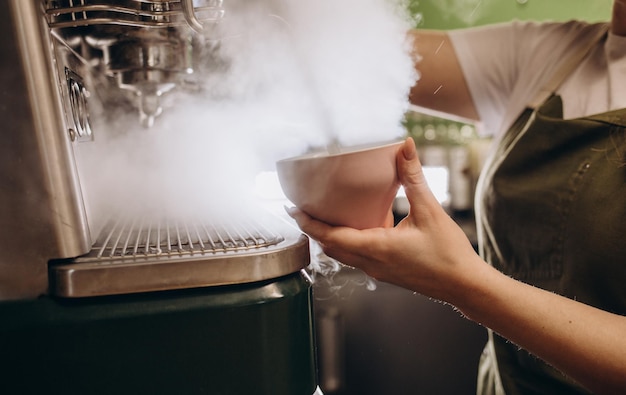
(133, 239)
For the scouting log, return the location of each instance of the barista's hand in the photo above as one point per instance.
(426, 252)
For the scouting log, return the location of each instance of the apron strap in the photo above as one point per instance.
(566, 69)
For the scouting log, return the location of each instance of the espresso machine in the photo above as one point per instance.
(127, 306)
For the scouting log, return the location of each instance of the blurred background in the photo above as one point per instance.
(453, 14)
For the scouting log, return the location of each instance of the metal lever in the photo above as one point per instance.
(190, 15)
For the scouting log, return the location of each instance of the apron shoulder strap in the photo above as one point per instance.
(566, 69)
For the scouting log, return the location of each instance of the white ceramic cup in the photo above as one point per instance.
(355, 187)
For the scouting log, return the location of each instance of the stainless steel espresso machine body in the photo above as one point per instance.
(130, 305)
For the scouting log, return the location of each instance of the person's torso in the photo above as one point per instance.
(552, 213)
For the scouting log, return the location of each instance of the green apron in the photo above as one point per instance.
(552, 213)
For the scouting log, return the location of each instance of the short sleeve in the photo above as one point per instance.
(506, 64)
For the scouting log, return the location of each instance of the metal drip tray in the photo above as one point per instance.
(132, 240)
(138, 256)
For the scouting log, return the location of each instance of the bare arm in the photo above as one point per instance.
(585, 343)
(442, 86)
(428, 253)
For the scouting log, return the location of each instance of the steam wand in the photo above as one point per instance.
(149, 98)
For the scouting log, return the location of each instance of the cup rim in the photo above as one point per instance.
(354, 149)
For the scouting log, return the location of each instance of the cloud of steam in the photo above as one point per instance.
(324, 272)
(326, 70)
(286, 76)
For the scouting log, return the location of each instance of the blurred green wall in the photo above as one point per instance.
(451, 14)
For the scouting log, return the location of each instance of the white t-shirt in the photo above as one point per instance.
(507, 64)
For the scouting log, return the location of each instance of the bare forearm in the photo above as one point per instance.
(583, 342)
(441, 86)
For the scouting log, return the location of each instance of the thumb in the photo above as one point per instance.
(411, 175)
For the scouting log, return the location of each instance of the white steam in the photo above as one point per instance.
(287, 76)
